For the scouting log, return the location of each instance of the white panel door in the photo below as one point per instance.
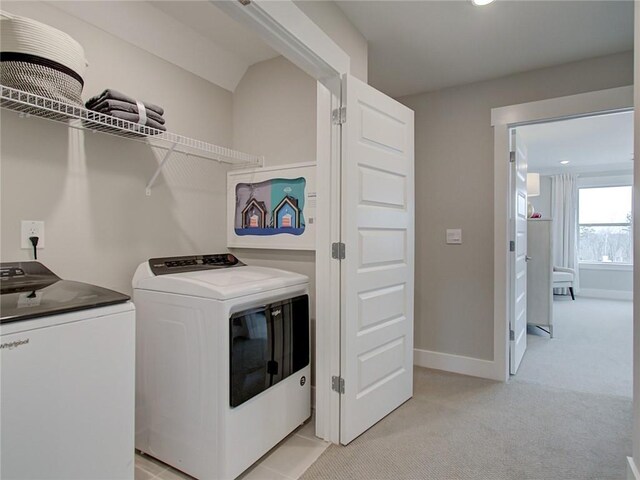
(378, 272)
(518, 300)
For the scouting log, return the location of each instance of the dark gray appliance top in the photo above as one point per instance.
(31, 290)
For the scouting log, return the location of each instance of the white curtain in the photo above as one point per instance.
(564, 214)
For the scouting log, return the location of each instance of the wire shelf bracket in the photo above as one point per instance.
(152, 180)
(29, 104)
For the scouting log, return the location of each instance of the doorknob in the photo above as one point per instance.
(527, 258)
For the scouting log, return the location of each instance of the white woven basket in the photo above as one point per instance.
(40, 59)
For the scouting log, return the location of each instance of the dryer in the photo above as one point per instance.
(222, 365)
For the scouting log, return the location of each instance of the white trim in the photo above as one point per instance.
(501, 251)
(614, 99)
(285, 28)
(323, 181)
(633, 472)
(634, 464)
(561, 108)
(619, 267)
(616, 180)
(475, 367)
(327, 358)
(607, 294)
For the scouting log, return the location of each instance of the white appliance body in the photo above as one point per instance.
(183, 412)
(67, 395)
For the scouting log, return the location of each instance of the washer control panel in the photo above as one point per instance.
(193, 263)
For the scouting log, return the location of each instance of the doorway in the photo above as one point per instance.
(579, 253)
(364, 343)
(503, 120)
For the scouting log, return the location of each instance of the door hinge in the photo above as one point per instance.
(512, 335)
(338, 251)
(339, 116)
(337, 384)
(512, 157)
(512, 246)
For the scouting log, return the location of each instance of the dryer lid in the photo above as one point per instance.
(221, 284)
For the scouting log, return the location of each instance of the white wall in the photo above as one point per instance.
(604, 281)
(454, 179)
(89, 188)
(274, 113)
(330, 18)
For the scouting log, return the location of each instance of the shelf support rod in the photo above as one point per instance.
(155, 175)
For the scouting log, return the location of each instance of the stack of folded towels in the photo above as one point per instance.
(116, 104)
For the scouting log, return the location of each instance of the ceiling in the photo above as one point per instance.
(419, 46)
(597, 144)
(414, 46)
(194, 35)
(210, 22)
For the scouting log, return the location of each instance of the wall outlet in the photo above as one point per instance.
(31, 228)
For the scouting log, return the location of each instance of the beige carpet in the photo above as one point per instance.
(458, 427)
(592, 348)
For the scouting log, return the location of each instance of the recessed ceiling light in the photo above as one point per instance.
(564, 162)
(480, 3)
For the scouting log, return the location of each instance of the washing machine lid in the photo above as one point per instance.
(221, 284)
(30, 290)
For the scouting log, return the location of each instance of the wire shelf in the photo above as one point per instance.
(78, 117)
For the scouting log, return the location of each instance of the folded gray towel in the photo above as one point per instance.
(134, 117)
(108, 106)
(110, 94)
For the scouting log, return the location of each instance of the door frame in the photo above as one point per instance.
(328, 270)
(502, 120)
(515, 150)
(284, 27)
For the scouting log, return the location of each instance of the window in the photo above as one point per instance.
(604, 218)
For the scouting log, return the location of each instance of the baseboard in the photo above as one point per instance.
(474, 367)
(606, 294)
(633, 473)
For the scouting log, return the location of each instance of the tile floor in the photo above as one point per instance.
(287, 461)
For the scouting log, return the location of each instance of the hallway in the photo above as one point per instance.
(565, 416)
(458, 427)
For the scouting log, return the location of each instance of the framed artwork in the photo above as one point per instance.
(272, 207)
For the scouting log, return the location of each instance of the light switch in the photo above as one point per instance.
(454, 236)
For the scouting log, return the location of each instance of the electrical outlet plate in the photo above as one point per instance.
(31, 228)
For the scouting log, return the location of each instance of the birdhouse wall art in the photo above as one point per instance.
(272, 207)
(254, 214)
(287, 214)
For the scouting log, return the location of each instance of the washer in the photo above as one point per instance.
(67, 377)
(223, 370)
